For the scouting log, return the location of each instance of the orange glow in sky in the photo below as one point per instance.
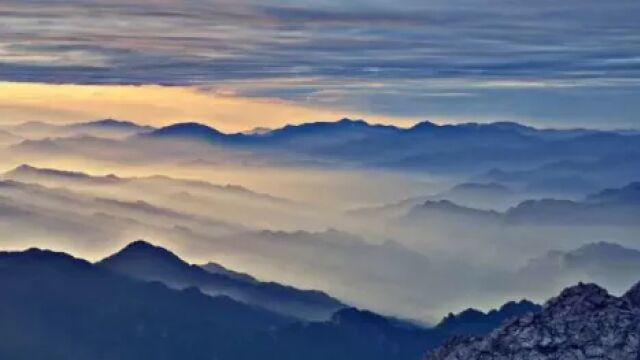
(159, 105)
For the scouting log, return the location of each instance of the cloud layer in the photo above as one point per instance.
(405, 58)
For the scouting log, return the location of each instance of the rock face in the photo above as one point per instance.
(475, 322)
(584, 322)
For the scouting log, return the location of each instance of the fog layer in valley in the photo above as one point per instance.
(410, 222)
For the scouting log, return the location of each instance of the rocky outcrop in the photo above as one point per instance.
(584, 322)
(475, 322)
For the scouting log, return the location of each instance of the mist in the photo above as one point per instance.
(415, 243)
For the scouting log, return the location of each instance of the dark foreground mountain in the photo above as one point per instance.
(141, 260)
(356, 334)
(476, 322)
(584, 322)
(56, 307)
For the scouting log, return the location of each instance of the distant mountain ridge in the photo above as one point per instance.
(425, 146)
(602, 262)
(482, 196)
(460, 149)
(113, 124)
(629, 194)
(610, 207)
(367, 129)
(572, 177)
(111, 128)
(214, 268)
(28, 173)
(431, 209)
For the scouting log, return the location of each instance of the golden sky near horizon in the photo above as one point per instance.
(159, 105)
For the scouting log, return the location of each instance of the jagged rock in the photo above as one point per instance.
(583, 322)
(633, 295)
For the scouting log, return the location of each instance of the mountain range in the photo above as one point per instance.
(468, 149)
(163, 194)
(144, 261)
(571, 177)
(31, 174)
(602, 262)
(59, 307)
(110, 128)
(424, 146)
(485, 196)
(348, 130)
(609, 207)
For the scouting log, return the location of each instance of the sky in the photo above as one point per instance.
(239, 64)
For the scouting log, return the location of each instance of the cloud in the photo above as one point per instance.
(404, 47)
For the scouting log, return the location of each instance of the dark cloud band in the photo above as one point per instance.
(374, 47)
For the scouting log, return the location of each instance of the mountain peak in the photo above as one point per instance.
(424, 125)
(141, 245)
(141, 252)
(144, 246)
(145, 261)
(511, 125)
(110, 123)
(192, 130)
(579, 299)
(347, 121)
(28, 170)
(24, 168)
(524, 303)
